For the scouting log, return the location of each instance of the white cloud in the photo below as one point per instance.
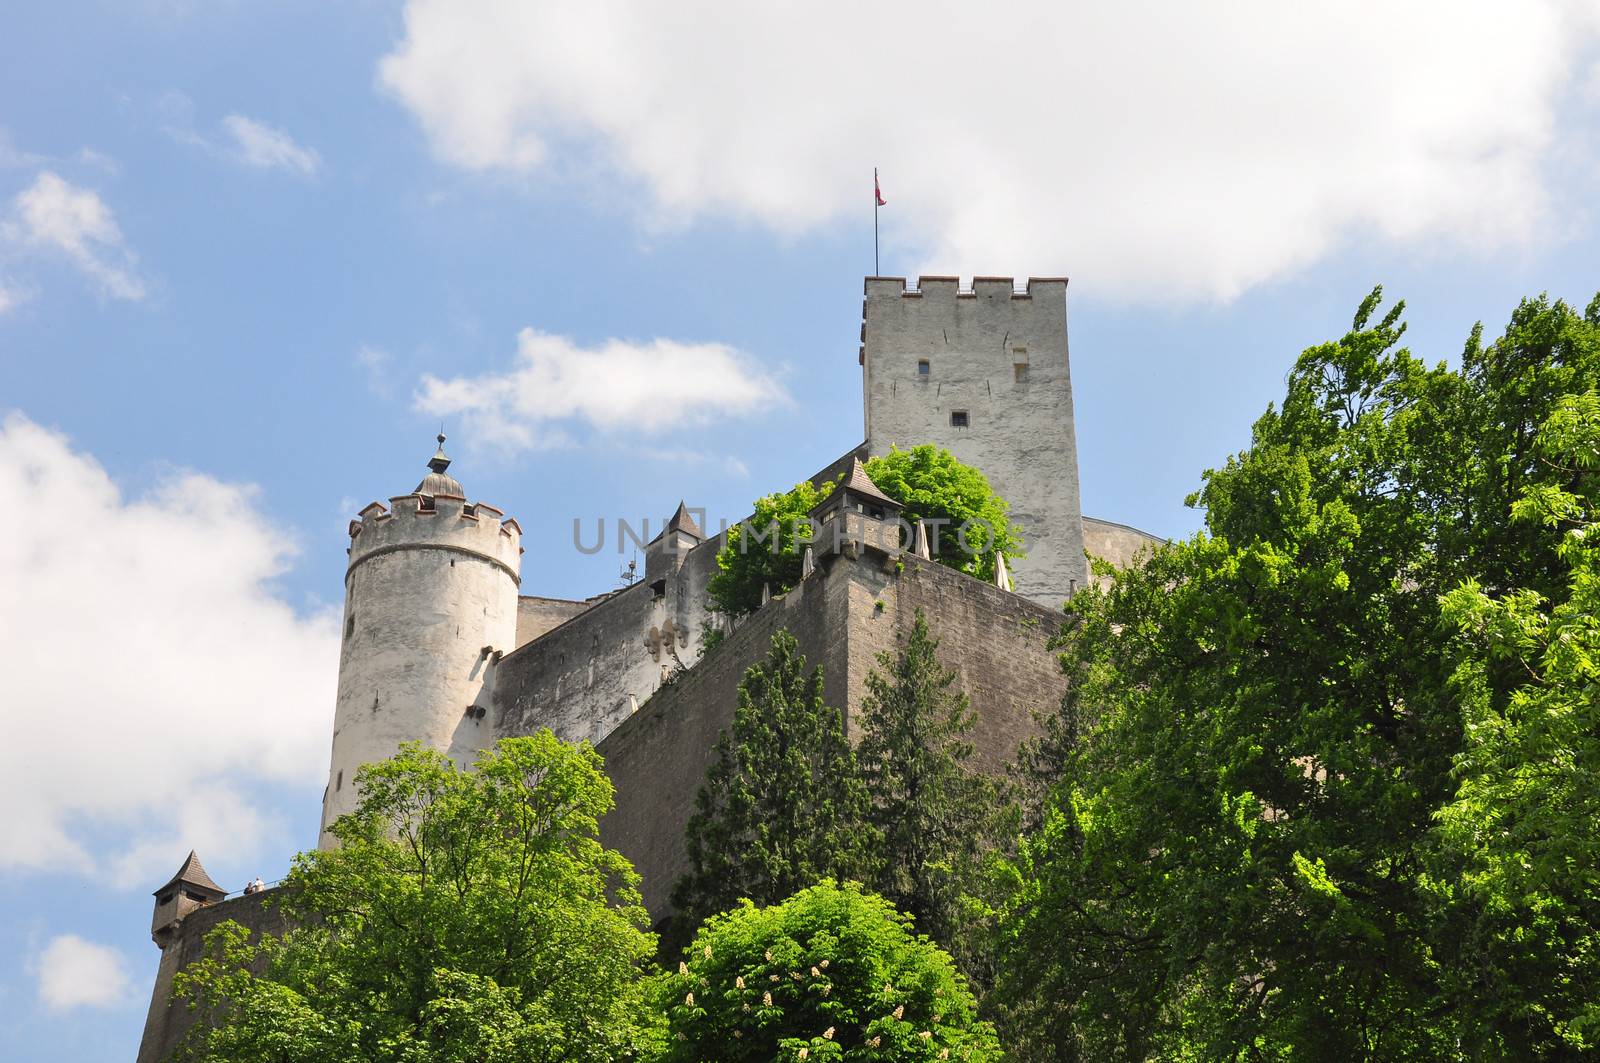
(55, 215)
(619, 386)
(76, 973)
(153, 674)
(375, 362)
(10, 297)
(1155, 150)
(262, 146)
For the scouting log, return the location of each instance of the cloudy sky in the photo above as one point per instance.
(251, 255)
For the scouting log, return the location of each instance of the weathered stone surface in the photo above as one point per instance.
(168, 1020)
(536, 615)
(430, 595)
(1117, 543)
(996, 641)
(997, 359)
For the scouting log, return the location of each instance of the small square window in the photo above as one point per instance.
(958, 418)
(922, 367)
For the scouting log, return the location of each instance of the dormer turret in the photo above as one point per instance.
(665, 553)
(857, 514)
(189, 889)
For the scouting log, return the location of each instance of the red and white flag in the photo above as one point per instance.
(877, 191)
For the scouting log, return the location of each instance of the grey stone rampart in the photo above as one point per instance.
(584, 676)
(1119, 544)
(536, 615)
(168, 1020)
(997, 642)
(997, 355)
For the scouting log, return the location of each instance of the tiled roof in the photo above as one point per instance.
(192, 873)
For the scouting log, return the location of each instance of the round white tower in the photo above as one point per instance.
(430, 603)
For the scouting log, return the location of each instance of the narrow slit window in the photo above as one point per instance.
(958, 418)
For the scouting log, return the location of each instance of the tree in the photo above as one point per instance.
(783, 804)
(1520, 839)
(968, 519)
(832, 973)
(464, 916)
(1241, 856)
(971, 521)
(765, 551)
(934, 815)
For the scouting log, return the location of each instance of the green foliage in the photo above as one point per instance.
(927, 481)
(935, 816)
(1267, 834)
(783, 804)
(711, 636)
(464, 916)
(766, 550)
(832, 973)
(1520, 839)
(932, 485)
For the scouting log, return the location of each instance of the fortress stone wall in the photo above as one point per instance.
(996, 641)
(168, 1020)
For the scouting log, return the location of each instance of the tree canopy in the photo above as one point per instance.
(1520, 844)
(833, 973)
(464, 916)
(767, 553)
(783, 804)
(935, 815)
(969, 521)
(1267, 833)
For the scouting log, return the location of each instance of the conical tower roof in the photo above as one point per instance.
(684, 521)
(860, 483)
(439, 482)
(193, 873)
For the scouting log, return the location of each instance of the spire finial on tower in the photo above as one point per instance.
(440, 461)
(438, 482)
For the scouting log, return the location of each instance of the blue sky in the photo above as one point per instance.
(251, 255)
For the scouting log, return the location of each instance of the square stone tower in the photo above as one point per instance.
(985, 374)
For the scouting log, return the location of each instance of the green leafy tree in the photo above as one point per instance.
(832, 973)
(1240, 856)
(464, 916)
(766, 550)
(972, 523)
(783, 804)
(934, 814)
(969, 520)
(1521, 840)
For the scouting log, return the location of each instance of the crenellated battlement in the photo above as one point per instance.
(450, 522)
(939, 287)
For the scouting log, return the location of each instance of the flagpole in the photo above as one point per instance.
(875, 221)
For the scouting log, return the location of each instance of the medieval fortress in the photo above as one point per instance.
(444, 643)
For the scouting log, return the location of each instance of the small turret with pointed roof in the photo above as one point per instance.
(684, 521)
(858, 514)
(665, 553)
(192, 887)
(857, 492)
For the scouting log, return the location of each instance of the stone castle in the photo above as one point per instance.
(443, 644)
